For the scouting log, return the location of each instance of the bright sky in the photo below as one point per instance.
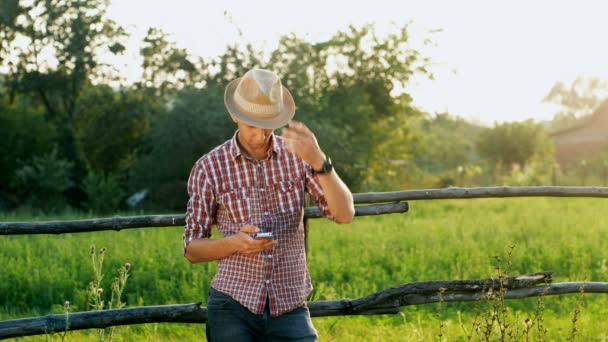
(494, 61)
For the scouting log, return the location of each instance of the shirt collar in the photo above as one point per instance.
(235, 148)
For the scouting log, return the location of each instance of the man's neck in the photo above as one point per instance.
(255, 154)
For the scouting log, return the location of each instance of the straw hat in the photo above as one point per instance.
(259, 99)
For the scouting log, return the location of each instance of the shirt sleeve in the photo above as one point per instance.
(316, 192)
(200, 213)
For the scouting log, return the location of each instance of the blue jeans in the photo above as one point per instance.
(227, 320)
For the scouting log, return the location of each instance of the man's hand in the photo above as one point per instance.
(302, 142)
(246, 245)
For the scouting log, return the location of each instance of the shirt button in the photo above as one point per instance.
(266, 213)
(262, 190)
(267, 281)
(269, 256)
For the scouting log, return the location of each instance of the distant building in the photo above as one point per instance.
(583, 141)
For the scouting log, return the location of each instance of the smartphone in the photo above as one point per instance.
(267, 235)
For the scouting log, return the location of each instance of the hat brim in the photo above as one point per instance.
(281, 119)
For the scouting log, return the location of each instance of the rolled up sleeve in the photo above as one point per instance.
(200, 213)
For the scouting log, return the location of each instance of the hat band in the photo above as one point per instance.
(257, 110)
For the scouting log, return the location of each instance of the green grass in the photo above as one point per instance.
(436, 240)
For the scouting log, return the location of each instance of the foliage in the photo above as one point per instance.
(514, 144)
(597, 166)
(167, 67)
(391, 166)
(43, 181)
(9, 12)
(196, 123)
(54, 50)
(345, 88)
(351, 89)
(111, 127)
(24, 134)
(446, 142)
(577, 101)
(75, 32)
(103, 191)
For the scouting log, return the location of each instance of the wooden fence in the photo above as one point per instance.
(387, 301)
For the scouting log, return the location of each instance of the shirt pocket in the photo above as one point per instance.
(236, 204)
(290, 195)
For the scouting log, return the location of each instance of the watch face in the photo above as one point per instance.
(327, 166)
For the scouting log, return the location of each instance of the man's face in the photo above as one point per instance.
(254, 139)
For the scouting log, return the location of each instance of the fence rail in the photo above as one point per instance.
(487, 192)
(119, 223)
(383, 203)
(387, 301)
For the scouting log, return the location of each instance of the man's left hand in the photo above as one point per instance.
(302, 142)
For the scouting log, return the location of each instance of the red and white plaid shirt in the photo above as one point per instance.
(230, 189)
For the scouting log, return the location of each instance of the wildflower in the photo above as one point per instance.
(103, 250)
(92, 249)
(127, 266)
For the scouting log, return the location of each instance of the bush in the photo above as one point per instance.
(43, 181)
(103, 191)
(196, 123)
(24, 133)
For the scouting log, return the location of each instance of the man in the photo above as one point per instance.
(255, 183)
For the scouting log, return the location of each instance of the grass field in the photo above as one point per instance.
(436, 240)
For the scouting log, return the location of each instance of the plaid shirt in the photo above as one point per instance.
(230, 189)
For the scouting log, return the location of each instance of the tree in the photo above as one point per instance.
(167, 67)
(577, 101)
(112, 126)
(24, 135)
(446, 143)
(196, 123)
(345, 88)
(75, 32)
(42, 182)
(9, 12)
(54, 49)
(513, 144)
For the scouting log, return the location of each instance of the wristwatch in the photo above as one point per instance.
(326, 168)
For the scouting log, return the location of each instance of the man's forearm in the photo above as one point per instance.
(302, 141)
(338, 196)
(201, 250)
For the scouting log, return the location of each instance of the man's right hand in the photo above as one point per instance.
(247, 245)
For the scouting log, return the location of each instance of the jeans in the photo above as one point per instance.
(227, 320)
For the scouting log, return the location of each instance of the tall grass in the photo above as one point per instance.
(455, 239)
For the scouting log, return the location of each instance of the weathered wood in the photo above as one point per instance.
(185, 313)
(386, 301)
(433, 287)
(118, 223)
(501, 191)
(520, 293)
(366, 210)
